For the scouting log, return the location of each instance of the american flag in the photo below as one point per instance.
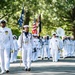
(34, 27)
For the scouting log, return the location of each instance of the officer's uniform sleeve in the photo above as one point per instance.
(11, 40)
(20, 41)
(32, 41)
(58, 44)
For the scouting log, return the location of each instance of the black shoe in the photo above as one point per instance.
(29, 69)
(45, 57)
(42, 58)
(25, 69)
(58, 59)
(48, 58)
(7, 71)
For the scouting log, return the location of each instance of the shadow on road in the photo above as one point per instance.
(43, 70)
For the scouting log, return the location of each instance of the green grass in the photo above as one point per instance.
(19, 55)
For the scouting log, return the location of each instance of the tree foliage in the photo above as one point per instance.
(55, 13)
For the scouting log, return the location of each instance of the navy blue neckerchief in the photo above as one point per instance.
(26, 34)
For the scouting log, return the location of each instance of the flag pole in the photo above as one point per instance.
(22, 37)
(39, 21)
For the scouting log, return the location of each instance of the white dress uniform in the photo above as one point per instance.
(42, 50)
(41, 46)
(35, 49)
(74, 48)
(5, 47)
(2, 51)
(14, 52)
(65, 47)
(38, 48)
(71, 47)
(26, 43)
(46, 48)
(60, 47)
(54, 46)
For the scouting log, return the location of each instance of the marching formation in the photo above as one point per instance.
(32, 47)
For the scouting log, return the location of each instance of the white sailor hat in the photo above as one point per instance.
(26, 26)
(44, 36)
(35, 34)
(3, 21)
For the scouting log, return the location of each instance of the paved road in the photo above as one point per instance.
(45, 67)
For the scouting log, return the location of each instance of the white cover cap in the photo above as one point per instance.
(35, 34)
(26, 26)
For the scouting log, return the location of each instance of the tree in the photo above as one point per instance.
(54, 13)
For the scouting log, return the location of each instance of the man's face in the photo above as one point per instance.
(3, 25)
(54, 35)
(26, 29)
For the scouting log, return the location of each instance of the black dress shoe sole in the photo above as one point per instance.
(7, 71)
(29, 69)
(24, 69)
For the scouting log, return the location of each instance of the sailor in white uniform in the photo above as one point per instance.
(15, 51)
(25, 42)
(44, 51)
(38, 47)
(60, 45)
(64, 50)
(71, 46)
(54, 46)
(35, 44)
(6, 45)
(48, 50)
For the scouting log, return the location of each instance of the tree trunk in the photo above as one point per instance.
(73, 20)
(27, 18)
(74, 31)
